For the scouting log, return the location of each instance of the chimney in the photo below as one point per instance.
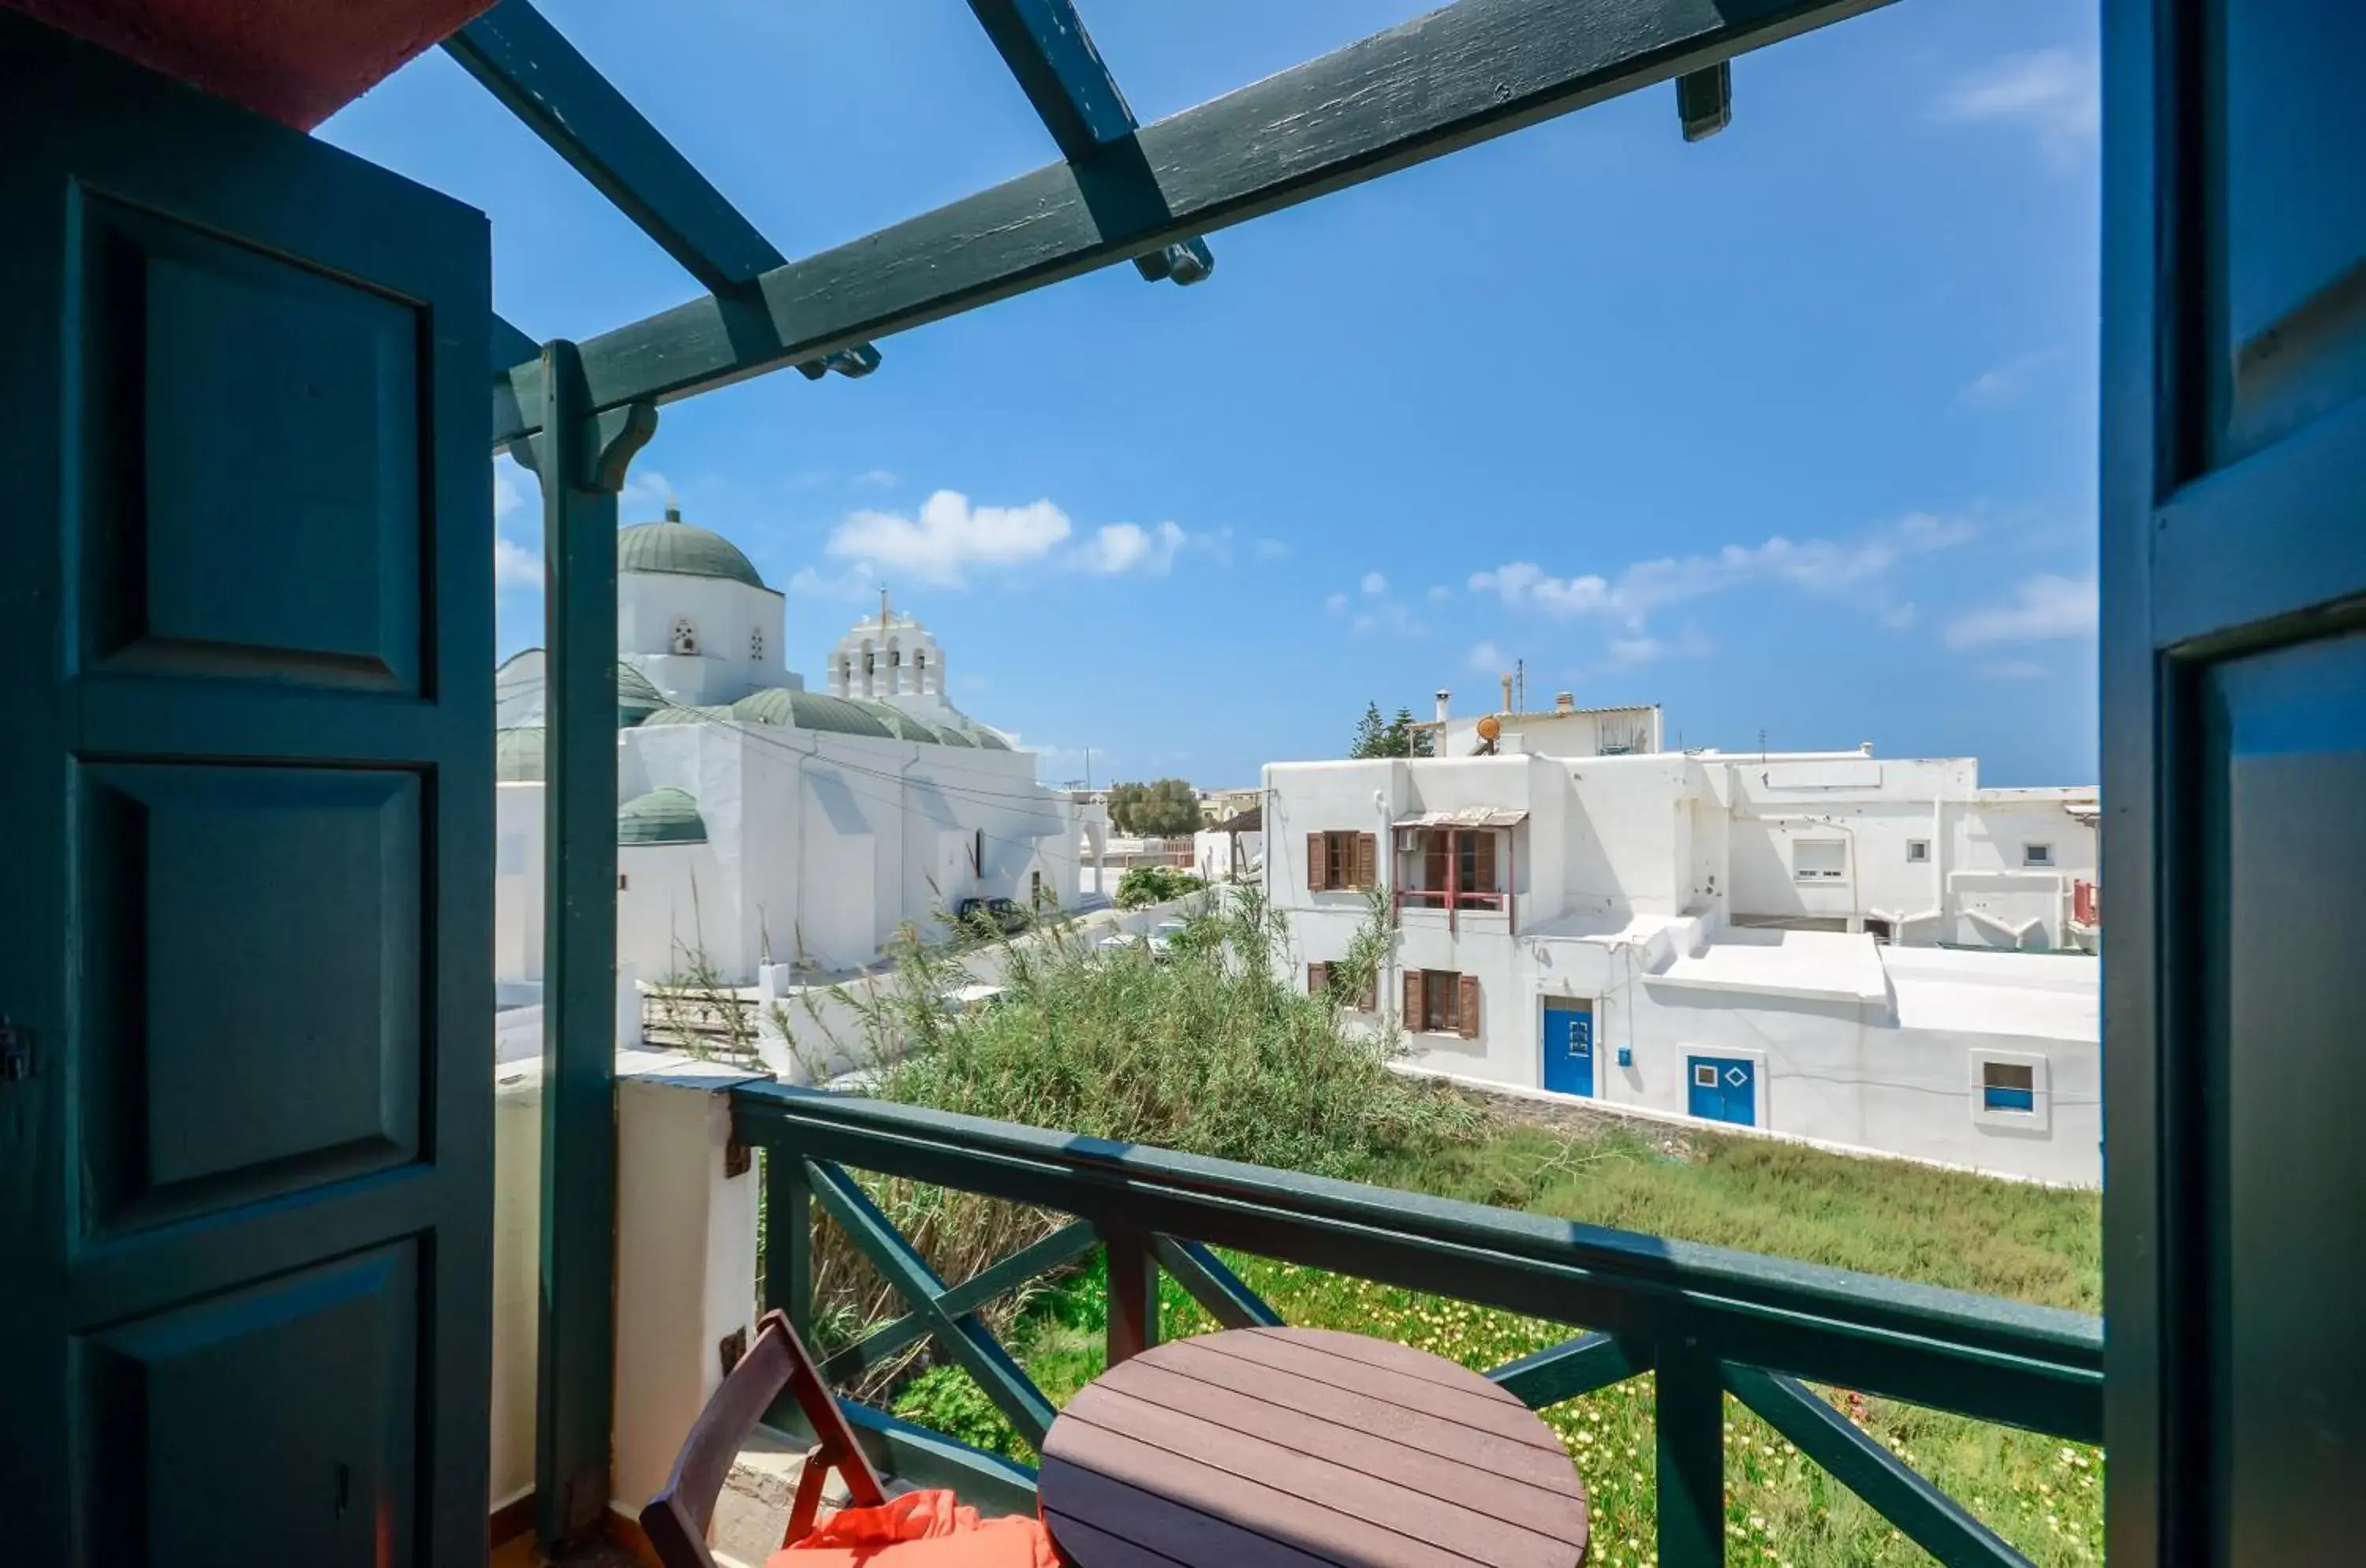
(1564, 702)
(1442, 695)
(1507, 694)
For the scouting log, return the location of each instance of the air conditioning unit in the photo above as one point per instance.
(1408, 840)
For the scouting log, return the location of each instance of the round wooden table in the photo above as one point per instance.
(1301, 1447)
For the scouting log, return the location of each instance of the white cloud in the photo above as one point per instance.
(507, 496)
(1336, 602)
(1856, 569)
(644, 492)
(854, 583)
(1374, 584)
(1487, 659)
(949, 537)
(2044, 609)
(1128, 547)
(1439, 594)
(514, 566)
(2053, 94)
(1271, 549)
(1390, 618)
(2004, 384)
(2013, 670)
(876, 479)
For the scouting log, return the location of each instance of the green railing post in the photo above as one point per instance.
(580, 459)
(1132, 1291)
(1689, 1414)
(788, 1240)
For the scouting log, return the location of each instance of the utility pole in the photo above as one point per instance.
(1520, 684)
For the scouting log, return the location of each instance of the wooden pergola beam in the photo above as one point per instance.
(1445, 81)
(1052, 59)
(560, 97)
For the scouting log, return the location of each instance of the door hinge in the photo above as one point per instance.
(16, 1052)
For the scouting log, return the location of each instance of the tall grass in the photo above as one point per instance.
(1200, 1049)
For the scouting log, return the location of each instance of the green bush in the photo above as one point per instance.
(1147, 884)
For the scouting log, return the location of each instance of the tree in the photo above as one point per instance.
(1397, 737)
(1165, 809)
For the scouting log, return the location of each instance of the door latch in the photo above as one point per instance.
(16, 1052)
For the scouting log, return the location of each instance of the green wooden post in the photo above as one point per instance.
(579, 460)
(1132, 1291)
(1689, 1413)
(788, 1239)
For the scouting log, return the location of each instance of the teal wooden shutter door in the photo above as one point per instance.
(245, 628)
(2234, 562)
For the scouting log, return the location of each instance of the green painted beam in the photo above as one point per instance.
(1993, 1360)
(1923, 1514)
(1689, 1424)
(1458, 76)
(1052, 59)
(907, 1273)
(542, 79)
(579, 461)
(1132, 1291)
(1585, 1365)
(510, 346)
(1061, 1247)
(788, 1240)
(1705, 101)
(1228, 1300)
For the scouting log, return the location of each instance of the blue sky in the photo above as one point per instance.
(1792, 430)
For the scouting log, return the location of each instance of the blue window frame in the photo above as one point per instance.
(2009, 1085)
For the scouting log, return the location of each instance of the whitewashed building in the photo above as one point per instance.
(1862, 951)
(761, 820)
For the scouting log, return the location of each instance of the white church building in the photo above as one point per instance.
(762, 821)
(1861, 950)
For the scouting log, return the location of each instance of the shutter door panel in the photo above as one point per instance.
(1317, 860)
(1467, 1008)
(1368, 856)
(1414, 1017)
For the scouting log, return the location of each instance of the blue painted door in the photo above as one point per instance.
(1722, 1089)
(1568, 1048)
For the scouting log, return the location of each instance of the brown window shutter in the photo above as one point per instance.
(1413, 999)
(1367, 858)
(1371, 1001)
(1469, 1008)
(1318, 975)
(1315, 860)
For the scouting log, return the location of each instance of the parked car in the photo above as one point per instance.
(985, 917)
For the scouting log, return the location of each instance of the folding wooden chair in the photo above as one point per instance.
(677, 1518)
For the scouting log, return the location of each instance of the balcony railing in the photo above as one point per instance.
(1705, 1321)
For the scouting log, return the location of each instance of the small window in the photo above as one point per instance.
(1336, 861)
(1818, 860)
(1704, 1076)
(1918, 850)
(756, 644)
(685, 636)
(2009, 1085)
(619, 882)
(2037, 854)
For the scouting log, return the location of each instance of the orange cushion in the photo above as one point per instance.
(920, 1529)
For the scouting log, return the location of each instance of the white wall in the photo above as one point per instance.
(1626, 866)
(724, 613)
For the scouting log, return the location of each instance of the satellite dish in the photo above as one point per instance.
(1490, 728)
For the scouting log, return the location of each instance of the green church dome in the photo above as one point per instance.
(684, 549)
(666, 816)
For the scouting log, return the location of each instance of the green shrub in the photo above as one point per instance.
(1147, 885)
